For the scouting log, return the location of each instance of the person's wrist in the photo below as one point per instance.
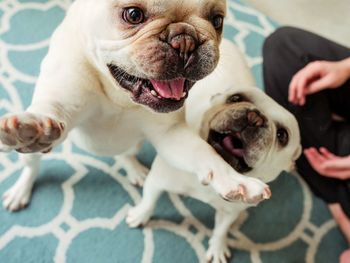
(346, 65)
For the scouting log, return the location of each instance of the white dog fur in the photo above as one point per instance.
(76, 93)
(232, 76)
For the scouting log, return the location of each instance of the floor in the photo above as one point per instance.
(328, 18)
(80, 201)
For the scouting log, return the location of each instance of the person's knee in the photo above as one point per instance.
(276, 53)
(279, 41)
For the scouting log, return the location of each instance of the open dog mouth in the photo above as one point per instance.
(160, 95)
(231, 147)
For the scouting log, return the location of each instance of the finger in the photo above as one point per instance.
(327, 154)
(338, 174)
(317, 155)
(294, 86)
(300, 92)
(319, 85)
(339, 163)
(312, 160)
(300, 88)
(315, 160)
(292, 89)
(310, 72)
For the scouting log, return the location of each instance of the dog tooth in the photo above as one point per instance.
(153, 92)
(159, 97)
(184, 94)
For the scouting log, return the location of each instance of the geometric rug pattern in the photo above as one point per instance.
(77, 213)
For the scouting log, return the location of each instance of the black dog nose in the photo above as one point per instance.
(183, 38)
(255, 118)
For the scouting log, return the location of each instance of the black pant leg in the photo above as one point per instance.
(286, 52)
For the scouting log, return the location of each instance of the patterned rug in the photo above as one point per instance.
(78, 209)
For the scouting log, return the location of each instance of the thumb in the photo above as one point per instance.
(336, 164)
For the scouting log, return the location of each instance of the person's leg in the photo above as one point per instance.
(342, 220)
(286, 52)
(344, 224)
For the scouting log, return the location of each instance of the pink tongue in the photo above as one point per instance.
(228, 144)
(172, 89)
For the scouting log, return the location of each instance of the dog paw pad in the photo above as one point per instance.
(28, 133)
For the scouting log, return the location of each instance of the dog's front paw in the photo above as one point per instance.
(235, 187)
(136, 171)
(138, 216)
(17, 197)
(254, 191)
(218, 251)
(28, 133)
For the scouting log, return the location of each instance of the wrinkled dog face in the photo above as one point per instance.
(251, 137)
(157, 49)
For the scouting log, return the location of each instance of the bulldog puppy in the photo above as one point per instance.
(252, 133)
(118, 72)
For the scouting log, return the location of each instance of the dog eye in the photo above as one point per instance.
(235, 98)
(282, 136)
(133, 15)
(218, 22)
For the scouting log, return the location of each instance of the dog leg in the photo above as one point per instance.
(141, 213)
(29, 133)
(218, 251)
(136, 171)
(18, 196)
(185, 150)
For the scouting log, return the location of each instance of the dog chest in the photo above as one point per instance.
(108, 135)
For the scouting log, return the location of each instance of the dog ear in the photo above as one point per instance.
(292, 167)
(295, 157)
(297, 153)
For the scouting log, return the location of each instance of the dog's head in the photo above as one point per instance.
(155, 49)
(255, 135)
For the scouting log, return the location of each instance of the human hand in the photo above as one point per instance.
(317, 76)
(328, 164)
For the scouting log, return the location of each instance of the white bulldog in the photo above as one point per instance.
(252, 133)
(118, 72)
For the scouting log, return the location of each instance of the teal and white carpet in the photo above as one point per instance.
(78, 209)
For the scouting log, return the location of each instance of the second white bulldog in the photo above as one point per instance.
(252, 133)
